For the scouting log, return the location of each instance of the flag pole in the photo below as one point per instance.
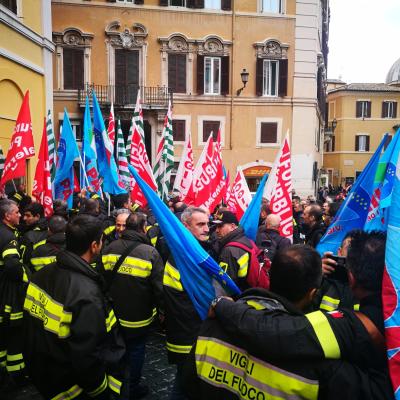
(84, 172)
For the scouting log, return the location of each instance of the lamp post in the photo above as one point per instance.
(245, 78)
(334, 125)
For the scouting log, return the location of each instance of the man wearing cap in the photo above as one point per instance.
(233, 260)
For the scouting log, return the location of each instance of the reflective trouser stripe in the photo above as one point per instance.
(114, 384)
(176, 348)
(325, 334)
(138, 324)
(69, 394)
(329, 303)
(243, 262)
(15, 362)
(99, 389)
(223, 365)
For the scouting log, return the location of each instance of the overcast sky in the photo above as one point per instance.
(363, 39)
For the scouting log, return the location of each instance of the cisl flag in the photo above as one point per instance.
(42, 182)
(22, 146)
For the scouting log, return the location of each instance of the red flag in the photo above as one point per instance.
(77, 186)
(281, 200)
(42, 182)
(184, 175)
(227, 192)
(111, 126)
(22, 146)
(240, 195)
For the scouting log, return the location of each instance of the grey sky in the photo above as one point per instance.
(363, 39)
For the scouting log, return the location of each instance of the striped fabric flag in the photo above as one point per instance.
(122, 161)
(51, 141)
(165, 157)
(136, 123)
(2, 160)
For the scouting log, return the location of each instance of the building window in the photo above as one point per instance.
(177, 72)
(210, 127)
(387, 141)
(271, 6)
(73, 68)
(212, 4)
(270, 78)
(268, 132)
(210, 124)
(389, 109)
(362, 143)
(212, 75)
(177, 3)
(179, 129)
(330, 145)
(10, 4)
(363, 109)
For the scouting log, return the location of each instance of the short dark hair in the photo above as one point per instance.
(81, 232)
(35, 209)
(57, 224)
(333, 208)
(136, 222)
(315, 211)
(120, 199)
(366, 259)
(294, 271)
(60, 208)
(91, 207)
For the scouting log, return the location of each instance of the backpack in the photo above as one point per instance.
(269, 246)
(257, 274)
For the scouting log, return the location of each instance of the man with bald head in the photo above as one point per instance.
(268, 237)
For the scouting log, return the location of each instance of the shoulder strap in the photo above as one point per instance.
(376, 336)
(239, 245)
(119, 262)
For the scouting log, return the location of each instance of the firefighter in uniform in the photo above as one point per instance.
(228, 366)
(233, 260)
(13, 281)
(182, 322)
(136, 289)
(45, 251)
(73, 346)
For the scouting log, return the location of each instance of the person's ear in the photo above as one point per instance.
(352, 281)
(311, 294)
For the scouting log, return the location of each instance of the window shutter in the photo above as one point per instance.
(67, 68)
(208, 127)
(163, 3)
(139, 2)
(283, 77)
(384, 109)
(358, 109)
(200, 74)
(395, 109)
(73, 68)
(367, 144)
(368, 109)
(333, 143)
(78, 69)
(226, 5)
(178, 130)
(198, 3)
(357, 143)
(225, 75)
(269, 131)
(177, 73)
(259, 76)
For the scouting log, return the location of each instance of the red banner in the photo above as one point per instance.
(184, 175)
(240, 197)
(22, 146)
(111, 126)
(42, 182)
(281, 200)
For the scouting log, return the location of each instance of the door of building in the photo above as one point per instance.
(126, 76)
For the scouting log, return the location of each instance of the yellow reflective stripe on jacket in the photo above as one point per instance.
(325, 334)
(39, 262)
(99, 389)
(24, 276)
(176, 348)
(243, 262)
(153, 240)
(40, 305)
(69, 394)
(109, 230)
(9, 252)
(41, 243)
(132, 266)
(329, 303)
(138, 324)
(172, 277)
(223, 365)
(109, 260)
(12, 316)
(15, 362)
(111, 320)
(17, 196)
(356, 307)
(256, 305)
(3, 355)
(224, 266)
(114, 384)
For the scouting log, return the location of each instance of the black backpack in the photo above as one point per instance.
(269, 246)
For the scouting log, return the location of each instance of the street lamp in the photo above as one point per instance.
(334, 125)
(245, 78)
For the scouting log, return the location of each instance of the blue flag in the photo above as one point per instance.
(249, 220)
(197, 269)
(353, 212)
(384, 180)
(105, 158)
(66, 153)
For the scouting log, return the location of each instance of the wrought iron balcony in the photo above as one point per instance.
(125, 96)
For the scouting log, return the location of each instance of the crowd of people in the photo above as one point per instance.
(79, 291)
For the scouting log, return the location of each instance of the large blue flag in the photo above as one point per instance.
(353, 212)
(199, 272)
(384, 180)
(66, 153)
(249, 220)
(105, 158)
(391, 285)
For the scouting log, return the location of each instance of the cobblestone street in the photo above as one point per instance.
(157, 374)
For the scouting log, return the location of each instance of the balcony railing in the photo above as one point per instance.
(125, 96)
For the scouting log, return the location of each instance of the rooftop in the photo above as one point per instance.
(366, 87)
